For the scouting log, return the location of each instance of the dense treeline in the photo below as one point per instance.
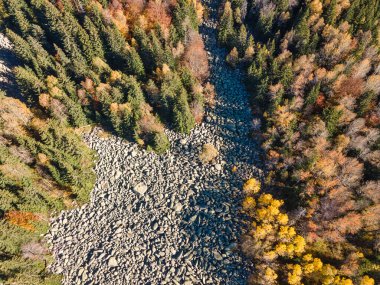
(44, 167)
(314, 71)
(130, 65)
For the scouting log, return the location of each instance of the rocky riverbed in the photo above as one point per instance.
(166, 219)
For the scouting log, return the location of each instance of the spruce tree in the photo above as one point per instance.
(159, 142)
(182, 118)
(21, 22)
(313, 94)
(331, 13)
(21, 47)
(226, 28)
(31, 86)
(265, 23)
(158, 51)
(97, 44)
(135, 65)
(242, 39)
(145, 49)
(184, 12)
(42, 57)
(237, 16)
(303, 33)
(75, 112)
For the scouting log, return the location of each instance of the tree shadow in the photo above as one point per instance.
(8, 61)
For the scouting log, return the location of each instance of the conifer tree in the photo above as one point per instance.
(313, 94)
(135, 65)
(184, 18)
(76, 115)
(331, 13)
(233, 57)
(303, 33)
(21, 22)
(158, 51)
(159, 142)
(265, 22)
(135, 95)
(30, 85)
(250, 50)
(97, 44)
(21, 47)
(237, 16)
(242, 39)
(226, 28)
(182, 118)
(115, 47)
(42, 57)
(145, 49)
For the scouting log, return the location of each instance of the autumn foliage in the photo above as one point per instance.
(313, 69)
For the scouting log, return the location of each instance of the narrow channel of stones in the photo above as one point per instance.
(166, 219)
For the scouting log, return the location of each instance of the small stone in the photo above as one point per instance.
(218, 167)
(192, 219)
(217, 255)
(118, 174)
(58, 270)
(84, 276)
(141, 188)
(182, 141)
(155, 226)
(112, 262)
(232, 246)
(80, 272)
(178, 207)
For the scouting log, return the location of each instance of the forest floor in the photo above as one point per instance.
(166, 219)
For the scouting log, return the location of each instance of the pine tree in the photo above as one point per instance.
(331, 117)
(286, 75)
(366, 103)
